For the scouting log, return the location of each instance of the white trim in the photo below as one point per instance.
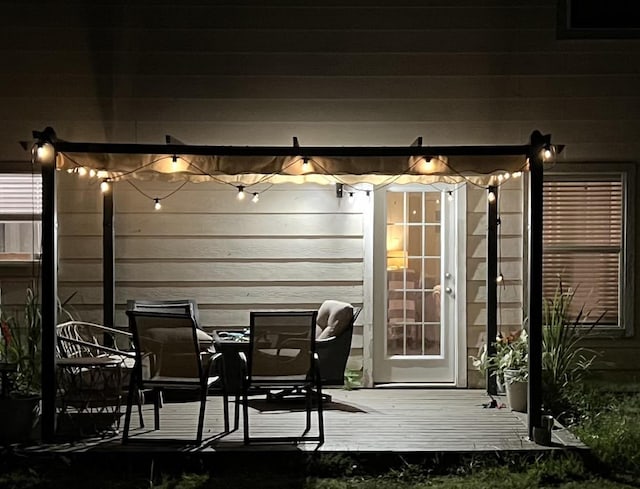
(460, 315)
(367, 290)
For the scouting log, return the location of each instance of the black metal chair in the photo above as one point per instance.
(282, 356)
(169, 356)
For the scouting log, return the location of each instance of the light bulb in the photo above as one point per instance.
(500, 279)
(500, 178)
(157, 206)
(256, 197)
(240, 195)
(104, 186)
(450, 196)
(92, 173)
(305, 162)
(491, 197)
(70, 170)
(82, 171)
(352, 197)
(517, 174)
(102, 174)
(507, 176)
(429, 165)
(174, 162)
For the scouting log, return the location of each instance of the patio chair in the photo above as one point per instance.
(282, 356)
(334, 332)
(168, 343)
(81, 339)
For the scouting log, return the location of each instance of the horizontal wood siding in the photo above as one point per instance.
(336, 72)
(293, 249)
(510, 264)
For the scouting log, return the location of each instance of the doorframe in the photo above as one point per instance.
(375, 274)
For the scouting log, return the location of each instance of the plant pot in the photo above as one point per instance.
(517, 391)
(19, 417)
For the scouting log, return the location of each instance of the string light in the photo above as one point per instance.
(102, 174)
(174, 162)
(429, 165)
(352, 197)
(517, 174)
(82, 171)
(157, 205)
(92, 173)
(256, 197)
(104, 186)
(240, 195)
(305, 162)
(500, 278)
(491, 197)
(450, 196)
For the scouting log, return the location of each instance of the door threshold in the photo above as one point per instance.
(414, 385)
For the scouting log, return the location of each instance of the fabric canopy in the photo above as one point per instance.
(253, 169)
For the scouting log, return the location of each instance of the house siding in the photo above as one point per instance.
(355, 72)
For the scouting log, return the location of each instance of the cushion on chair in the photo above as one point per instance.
(333, 318)
(177, 335)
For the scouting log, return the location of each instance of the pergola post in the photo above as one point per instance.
(538, 143)
(108, 260)
(45, 154)
(492, 275)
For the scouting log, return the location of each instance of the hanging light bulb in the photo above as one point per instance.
(499, 278)
(368, 193)
(104, 186)
(500, 178)
(450, 196)
(256, 197)
(491, 197)
(174, 162)
(92, 173)
(82, 171)
(548, 152)
(71, 170)
(102, 174)
(507, 176)
(352, 197)
(305, 163)
(157, 206)
(517, 174)
(240, 195)
(429, 166)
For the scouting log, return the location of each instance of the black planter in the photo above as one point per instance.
(18, 419)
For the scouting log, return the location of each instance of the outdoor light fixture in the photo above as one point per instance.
(256, 197)
(491, 197)
(157, 206)
(104, 186)
(429, 165)
(240, 195)
(500, 279)
(43, 152)
(548, 152)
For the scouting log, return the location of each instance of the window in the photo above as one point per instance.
(594, 19)
(587, 243)
(20, 211)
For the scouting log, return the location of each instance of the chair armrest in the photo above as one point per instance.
(97, 348)
(99, 327)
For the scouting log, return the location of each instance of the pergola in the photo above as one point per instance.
(245, 165)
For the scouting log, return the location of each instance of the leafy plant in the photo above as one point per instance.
(20, 343)
(512, 353)
(564, 361)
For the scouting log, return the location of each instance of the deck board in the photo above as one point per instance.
(366, 420)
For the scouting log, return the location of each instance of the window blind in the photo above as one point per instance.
(20, 196)
(582, 244)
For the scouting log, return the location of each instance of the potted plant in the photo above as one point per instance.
(509, 365)
(20, 362)
(565, 362)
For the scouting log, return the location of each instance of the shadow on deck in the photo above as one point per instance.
(369, 421)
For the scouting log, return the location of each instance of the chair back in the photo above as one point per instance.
(170, 341)
(174, 306)
(281, 346)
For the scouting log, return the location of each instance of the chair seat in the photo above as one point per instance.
(178, 382)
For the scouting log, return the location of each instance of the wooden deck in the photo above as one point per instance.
(366, 420)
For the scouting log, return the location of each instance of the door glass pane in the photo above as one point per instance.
(413, 273)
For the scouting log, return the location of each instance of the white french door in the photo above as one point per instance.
(416, 259)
